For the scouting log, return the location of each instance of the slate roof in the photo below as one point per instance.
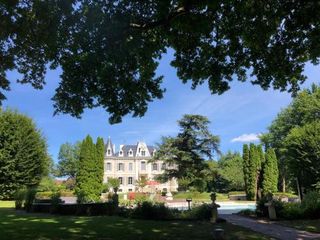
(109, 145)
(126, 149)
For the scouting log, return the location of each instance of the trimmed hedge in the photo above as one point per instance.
(86, 209)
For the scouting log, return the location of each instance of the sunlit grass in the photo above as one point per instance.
(196, 196)
(7, 204)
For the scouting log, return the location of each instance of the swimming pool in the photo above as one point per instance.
(226, 208)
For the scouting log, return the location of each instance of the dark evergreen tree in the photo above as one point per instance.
(86, 180)
(100, 163)
(246, 162)
(23, 153)
(252, 176)
(270, 173)
(260, 171)
(188, 151)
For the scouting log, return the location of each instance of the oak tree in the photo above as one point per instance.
(109, 50)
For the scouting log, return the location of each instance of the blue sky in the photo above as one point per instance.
(237, 115)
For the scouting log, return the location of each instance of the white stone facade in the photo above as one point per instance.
(131, 163)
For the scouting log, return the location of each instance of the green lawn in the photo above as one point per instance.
(21, 225)
(6, 204)
(306, 225)
(196, 196)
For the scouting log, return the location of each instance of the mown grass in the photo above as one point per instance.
(197, 196)
(20, 225)
(7, 204)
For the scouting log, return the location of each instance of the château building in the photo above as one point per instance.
(131, 163)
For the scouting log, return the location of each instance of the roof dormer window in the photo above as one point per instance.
(143, 153)
(120, 153)
(130, 153)
(108, 152)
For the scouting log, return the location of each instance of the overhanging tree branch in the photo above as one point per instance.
(162, 22)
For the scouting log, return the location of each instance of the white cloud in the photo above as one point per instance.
(251, 137)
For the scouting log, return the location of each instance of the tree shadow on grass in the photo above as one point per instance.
(21, 225)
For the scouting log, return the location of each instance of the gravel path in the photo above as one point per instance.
(269, 228)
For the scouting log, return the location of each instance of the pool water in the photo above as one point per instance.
(235, 208)
(225, 207)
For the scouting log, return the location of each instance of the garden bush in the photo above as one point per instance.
(55, 201)
(201, 212)
(19, 197)
(30, 196)
(311, 205)
(140, 197)
(154, 211)
(247, 212)
(309, 208)
(291, 211)
(261, 209)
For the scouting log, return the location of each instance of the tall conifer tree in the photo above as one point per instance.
(252, 172)
(270, 173)
(246, 160)
(86, 181)
(260, 171)
(99, 163)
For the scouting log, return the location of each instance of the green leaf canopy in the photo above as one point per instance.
(109, 50)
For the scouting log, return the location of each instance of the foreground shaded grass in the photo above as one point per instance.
(306, 225)
(20, 225)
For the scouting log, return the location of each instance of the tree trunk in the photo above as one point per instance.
(283, 184)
